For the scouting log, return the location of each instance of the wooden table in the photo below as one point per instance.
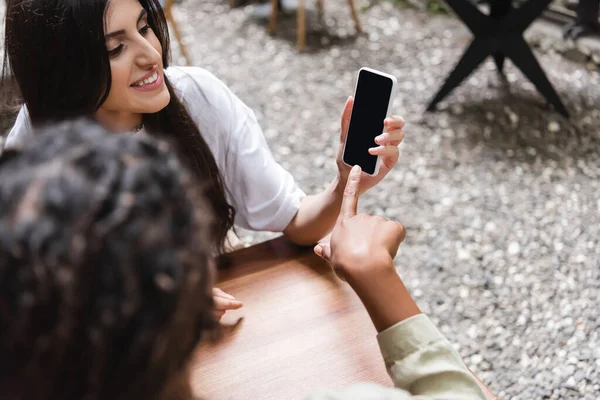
(302, 329)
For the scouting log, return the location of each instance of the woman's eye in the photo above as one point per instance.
(116, 51)
(145, 30)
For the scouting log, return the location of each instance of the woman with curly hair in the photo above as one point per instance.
(105, 267)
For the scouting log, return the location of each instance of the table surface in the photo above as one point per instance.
(301, 329)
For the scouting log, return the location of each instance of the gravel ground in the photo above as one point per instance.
(500, 196)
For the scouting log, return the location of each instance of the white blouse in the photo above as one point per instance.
(265, 196)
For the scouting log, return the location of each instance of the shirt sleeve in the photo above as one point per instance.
(265, 195)
(20, 132)
(422, 364)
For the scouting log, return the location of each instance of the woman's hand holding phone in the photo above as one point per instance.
(384, 146)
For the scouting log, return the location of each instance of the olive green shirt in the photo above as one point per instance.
(422, 364)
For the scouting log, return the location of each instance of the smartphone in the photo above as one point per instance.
(373, 98)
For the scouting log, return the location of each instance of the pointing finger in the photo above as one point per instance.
(350, 200)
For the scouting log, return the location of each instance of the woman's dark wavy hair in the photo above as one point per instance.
(105, 267)
(56, 52)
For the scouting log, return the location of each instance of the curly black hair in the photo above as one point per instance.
(106, 266)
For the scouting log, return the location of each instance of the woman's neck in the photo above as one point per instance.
(118, 122)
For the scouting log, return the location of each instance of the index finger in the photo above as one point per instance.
(220, 293)
(222, 303)
(350, 199)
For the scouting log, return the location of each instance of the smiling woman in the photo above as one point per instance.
(101, 51)
(109, 60)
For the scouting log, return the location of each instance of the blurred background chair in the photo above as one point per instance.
(301, 17)
(167, 6)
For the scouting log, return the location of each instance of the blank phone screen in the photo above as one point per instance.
(371, 102)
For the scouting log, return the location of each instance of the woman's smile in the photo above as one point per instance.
(152, 81)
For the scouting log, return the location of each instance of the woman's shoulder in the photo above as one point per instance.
(209, 101)
(186, 80)
(196, 73)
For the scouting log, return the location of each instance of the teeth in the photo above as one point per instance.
(148, 81)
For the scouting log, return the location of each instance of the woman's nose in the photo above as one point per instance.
(148, 54)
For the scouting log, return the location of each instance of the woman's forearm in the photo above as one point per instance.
(316, 217)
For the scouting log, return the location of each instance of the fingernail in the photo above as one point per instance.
(378, 139)
(355, 170)
(319, 250)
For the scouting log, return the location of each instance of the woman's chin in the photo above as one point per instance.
(159, 104)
